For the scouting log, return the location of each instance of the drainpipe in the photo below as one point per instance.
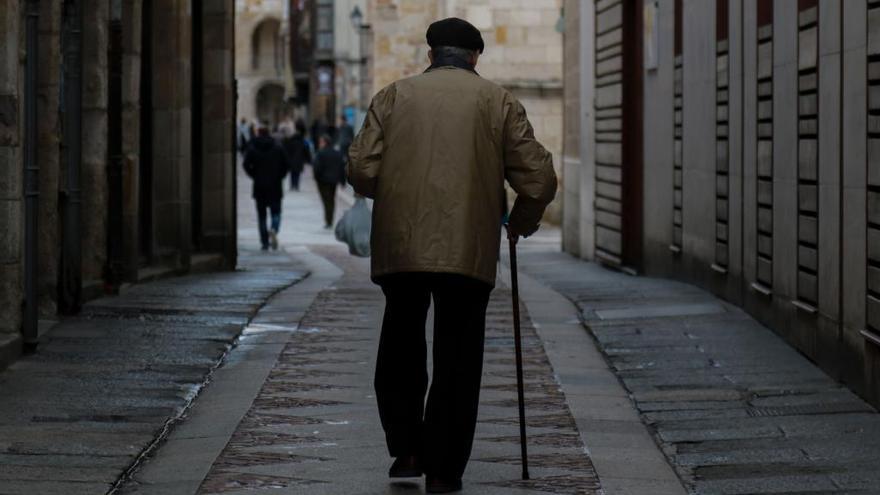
(115, 259)
(31, 174)
(70, 285)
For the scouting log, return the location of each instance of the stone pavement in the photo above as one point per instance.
(104, 386)
(736, 409)
(292, 410)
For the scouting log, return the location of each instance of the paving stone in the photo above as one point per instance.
(735, 408)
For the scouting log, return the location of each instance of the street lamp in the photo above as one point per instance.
(357, 18)
(357, 23)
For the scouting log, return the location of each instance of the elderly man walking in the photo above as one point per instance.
(434, 153)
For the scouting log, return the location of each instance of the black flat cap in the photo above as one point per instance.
(455, 32)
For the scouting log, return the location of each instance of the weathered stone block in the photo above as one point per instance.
(765, 219)
(765, 245)
(609, 220)
(873, 31)
(608, 240)
(765, 60)
(609, 19)
(9, 119)
(874, 162)
(608, 153)
(721, 155)
(722, 211)
(874, 244)
(721, 186)
(609, 191)
(807, 288)
(765, 158)
(609, 96)
(808, 257)
(808, 104)
(721, 231)
(765, 192)
(765, 270)
(808, 126)
(11, 223)
(807, 159)
(808, 198)
(808, 229)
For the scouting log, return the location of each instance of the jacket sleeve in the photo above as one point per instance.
(528, 168)
(365, 152)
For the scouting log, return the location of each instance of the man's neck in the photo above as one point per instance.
(451, 62)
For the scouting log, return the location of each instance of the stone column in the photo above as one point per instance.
(48, 88)
(218, 113)
(131, 112)
(96, 18)
(571, 162)
(172, 94)
(11, 204)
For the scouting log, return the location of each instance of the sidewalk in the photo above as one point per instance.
(735, 408)
(103, 386)
(292, 409)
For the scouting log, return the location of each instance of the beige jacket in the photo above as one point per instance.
(433, 153)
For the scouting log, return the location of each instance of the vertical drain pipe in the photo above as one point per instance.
(115, 261)
(71, 255)
(31, 174)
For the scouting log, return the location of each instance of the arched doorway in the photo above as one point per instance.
(270, 103)
(267, 50)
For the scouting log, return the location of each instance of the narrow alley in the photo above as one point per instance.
(260, 381)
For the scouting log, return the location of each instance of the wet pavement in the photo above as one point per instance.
(292, 408)
(105, 385)
(735, 408)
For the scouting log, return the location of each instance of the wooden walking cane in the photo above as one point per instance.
(514, 287)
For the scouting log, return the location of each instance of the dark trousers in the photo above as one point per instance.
(294, 179)
(441, 431)
(328, 197)
(274, 207)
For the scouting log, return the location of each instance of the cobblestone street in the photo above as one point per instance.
(260, 381)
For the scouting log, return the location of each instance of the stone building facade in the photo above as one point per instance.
(523, 54)
(116, 150)
(734, 145)
(262, 59)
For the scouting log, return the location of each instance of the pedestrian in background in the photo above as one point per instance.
(244, 136)
(329, 168)
(344, 136)
(434, 153)
(298, 151)
(267, 164)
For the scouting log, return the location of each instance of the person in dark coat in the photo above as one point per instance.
(344, 136)
(329, 168)
(298, 152)
(267, 164)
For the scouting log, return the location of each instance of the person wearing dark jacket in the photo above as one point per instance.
(266, 163)
(329, 168)
(298, 152)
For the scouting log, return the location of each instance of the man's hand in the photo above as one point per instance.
(511, 235)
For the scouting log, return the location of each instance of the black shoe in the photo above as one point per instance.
(442, 485)
(405, 467)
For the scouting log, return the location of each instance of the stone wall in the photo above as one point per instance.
(96, 15)
(11, 201)
(523, 53)
(249, 14)
(132, 25)
(49, 78)
(761, 169)
(218, 158)
(571, 152)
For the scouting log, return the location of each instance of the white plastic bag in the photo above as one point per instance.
(354, 228)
